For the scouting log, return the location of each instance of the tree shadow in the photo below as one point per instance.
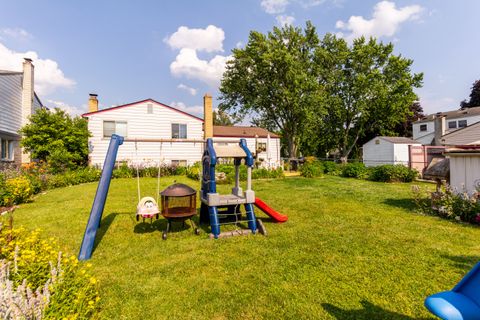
(463, 262)
(405, 203)
(369, 311)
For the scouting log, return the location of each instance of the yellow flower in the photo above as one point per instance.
(91, 302)
(93, 280)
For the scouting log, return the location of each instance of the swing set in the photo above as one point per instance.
(148, 206)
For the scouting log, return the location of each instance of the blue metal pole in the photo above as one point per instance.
(252, 220)
(214, 224)
(100, 198)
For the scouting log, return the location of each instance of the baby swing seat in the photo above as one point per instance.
(147, 208)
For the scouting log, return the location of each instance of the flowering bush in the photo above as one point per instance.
(16, 190)
(38, 282)
(448, 204)
(311, 169)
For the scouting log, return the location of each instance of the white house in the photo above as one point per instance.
(428, 131)
(388, 150)
(156, 132)
(469, 135)
(17, 102)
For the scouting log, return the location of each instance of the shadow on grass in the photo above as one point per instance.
(150, 225)
(405, 203)
(105, 223)
(369, 311)
(463, 262)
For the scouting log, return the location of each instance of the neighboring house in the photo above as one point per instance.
(17, 102)
(430, 129)
(469, 135)
(154, 131)
(388, 150)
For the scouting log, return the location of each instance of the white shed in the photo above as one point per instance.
(464, 168)
(388, 150)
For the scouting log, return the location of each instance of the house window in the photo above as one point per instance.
(261, 147)
(462, 123)
(423, 127)
(149, 108)
(179, 163)
(179, 131)
(452, 124)
(6, 149)
(114, 127)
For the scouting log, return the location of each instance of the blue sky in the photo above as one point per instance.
(175, 51)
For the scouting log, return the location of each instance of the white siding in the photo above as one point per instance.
(375, 154)
(421, 136)
(147, 126)
(10, 103)
(465, 172)
(401, 153)
(470, 120)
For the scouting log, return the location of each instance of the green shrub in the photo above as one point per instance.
(392, 173)
(354, 170)
(123, 171)
(312, 169)
(331, 168)
(193, 172)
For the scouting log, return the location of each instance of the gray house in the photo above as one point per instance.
(17, 102)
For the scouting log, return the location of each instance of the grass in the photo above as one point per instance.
(351, 249)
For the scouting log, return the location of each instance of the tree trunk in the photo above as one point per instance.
(292, 147)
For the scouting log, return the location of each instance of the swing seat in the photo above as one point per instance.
(147, 208)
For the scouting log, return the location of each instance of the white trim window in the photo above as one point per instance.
(179, 131)
(114, 127)
(6, 150)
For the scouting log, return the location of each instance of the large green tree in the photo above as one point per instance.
(222, 118)
(368, 88)
(274, 79)
(56, 137)
(474, 97)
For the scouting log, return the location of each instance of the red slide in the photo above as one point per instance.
(269, 211)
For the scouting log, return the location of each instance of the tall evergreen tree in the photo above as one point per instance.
(474, 96)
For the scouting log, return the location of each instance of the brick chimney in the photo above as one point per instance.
(439, 126)
(207, 116)
(93, 102)
(27, 97)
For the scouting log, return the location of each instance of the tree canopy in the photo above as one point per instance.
(222, 118)
(275, 80)
(57, 138)
(322, 95)
(474, 97)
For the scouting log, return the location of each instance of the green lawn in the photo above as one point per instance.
(351, 249)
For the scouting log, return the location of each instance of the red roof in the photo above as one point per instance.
(218, 131)
(142, 101)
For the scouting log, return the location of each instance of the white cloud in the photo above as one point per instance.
(274, 6)
(15, 33)
(386, 20)
(190, 90)
(284, 20)
(189, 65)
(209, 39)
(48, 76)
(195, 110)
(73, 111)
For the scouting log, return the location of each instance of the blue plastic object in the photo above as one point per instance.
(462, 302)
(209, 185)
(100, 198)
